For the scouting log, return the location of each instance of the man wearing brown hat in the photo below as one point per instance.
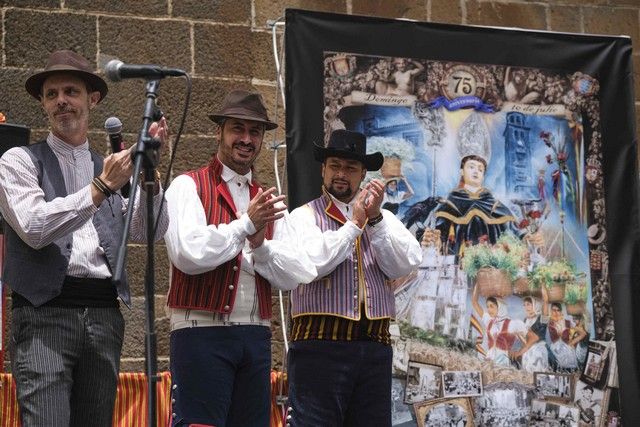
(225, 253)
(65, 219)
(340, 355)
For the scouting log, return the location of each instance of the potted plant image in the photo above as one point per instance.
(575, 295)
(554, 275)
(494, 267)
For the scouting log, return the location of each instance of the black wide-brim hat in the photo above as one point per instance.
(347, 144)
(66, 61)
(244, 105)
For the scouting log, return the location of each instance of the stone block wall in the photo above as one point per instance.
(224, 44)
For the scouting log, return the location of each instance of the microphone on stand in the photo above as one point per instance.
(117, 70)
(113, 126)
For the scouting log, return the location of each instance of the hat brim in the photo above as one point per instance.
(371, 162)
(221, 118)
(33, 85)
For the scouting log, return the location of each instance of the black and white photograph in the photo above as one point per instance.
(400, 357)
(401, 413)
(423, 382)
(596, 368)
(592, 403)
(461, 383)
(554, 386)
(552, 414)
(504, 405)
(445, 413)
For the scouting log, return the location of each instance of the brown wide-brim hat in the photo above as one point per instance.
(66, 61)
(244, 105)
(348, 144)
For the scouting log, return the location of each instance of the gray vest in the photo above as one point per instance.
(38, 274)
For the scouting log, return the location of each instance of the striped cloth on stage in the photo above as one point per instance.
(279, 390)
(131, 401)
(130, 407)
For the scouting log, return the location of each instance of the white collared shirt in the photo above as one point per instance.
(196, 247)
(39, 223)
(397, 252)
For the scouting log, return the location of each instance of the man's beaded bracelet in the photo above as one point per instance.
(102, 187)
(374, 221)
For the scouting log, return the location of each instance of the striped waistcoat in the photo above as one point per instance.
(215, 290)
(338, 293)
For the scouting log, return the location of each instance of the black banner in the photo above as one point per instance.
(553, 117)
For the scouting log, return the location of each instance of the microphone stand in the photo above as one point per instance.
(147, 156)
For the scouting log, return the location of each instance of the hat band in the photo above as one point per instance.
(239, 111)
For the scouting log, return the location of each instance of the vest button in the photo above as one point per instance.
(355, 296)
(68, 245)
(226, 308)
(235, 268)
(231, 287)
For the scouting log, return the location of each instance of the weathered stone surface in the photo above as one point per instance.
(564, 18)
(223, 50)
(274, 9)
(135, 327)
(27, 44)
(229, 11)
(446, 11)
(506, 14)
(16, 104)
(128, 7)
(263, 65)
(411, 9)
(136, 268)
(193, 152)
(632, 3)
(39, 4)
(167, 43)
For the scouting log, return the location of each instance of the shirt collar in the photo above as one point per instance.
(63, 148)
(345, 208)
(229, 174)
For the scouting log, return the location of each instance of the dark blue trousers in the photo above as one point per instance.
(339, 383)
(221, 376)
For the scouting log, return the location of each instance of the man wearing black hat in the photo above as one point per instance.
(340, 356)
(65, 219)
(222, 243)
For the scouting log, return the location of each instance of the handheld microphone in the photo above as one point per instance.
(113, 126)
(117, 70)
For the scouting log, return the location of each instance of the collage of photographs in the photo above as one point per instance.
(497, 172)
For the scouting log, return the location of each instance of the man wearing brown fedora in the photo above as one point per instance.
(65, 220)
(340, 355)
(225, 253)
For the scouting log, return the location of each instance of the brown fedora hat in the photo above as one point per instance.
(348, 144)
(240, 104)
(69, 62)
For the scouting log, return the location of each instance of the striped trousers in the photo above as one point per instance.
(65, 361)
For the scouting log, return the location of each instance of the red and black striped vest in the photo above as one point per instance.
(215, 290)
(503, 339)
